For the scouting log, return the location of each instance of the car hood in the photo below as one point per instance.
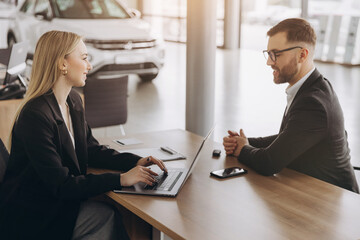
(107, 29)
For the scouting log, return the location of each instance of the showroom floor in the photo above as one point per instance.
(245, 97)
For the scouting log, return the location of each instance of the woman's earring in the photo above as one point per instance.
(64, 72)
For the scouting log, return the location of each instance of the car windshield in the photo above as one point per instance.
(89, 9)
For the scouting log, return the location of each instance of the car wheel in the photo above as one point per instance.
(147, 77)
(11, 40)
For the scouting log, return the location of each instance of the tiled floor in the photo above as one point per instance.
(245, 96)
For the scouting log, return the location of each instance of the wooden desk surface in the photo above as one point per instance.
(288, 205)
(8, 109)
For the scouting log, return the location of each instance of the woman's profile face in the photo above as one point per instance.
(78, 65)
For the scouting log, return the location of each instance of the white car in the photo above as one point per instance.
(118, 41)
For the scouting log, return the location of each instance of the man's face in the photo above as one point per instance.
(286, 65)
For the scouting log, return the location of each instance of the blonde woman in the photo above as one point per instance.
(46, 187)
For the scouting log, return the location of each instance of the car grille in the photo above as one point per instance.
(120, 67)
(121, 45)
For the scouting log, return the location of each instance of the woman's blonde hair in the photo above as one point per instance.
(51, 49)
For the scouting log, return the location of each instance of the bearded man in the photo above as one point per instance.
(312, 138)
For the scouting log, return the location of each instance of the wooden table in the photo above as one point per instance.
(289, 205)
(7, 112)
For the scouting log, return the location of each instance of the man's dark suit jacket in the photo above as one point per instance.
(46, 178)
(312, 138)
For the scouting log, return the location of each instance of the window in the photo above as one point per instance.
(114, 10)
(28, 6)
(42, 6)
(168, 18)
(95, 9)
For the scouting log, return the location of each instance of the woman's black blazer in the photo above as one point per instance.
(46, 178)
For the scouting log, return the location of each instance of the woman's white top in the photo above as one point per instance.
(70, 126)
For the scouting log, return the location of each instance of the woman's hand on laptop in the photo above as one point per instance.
(141, 173)
(137, 174)
(147, 161)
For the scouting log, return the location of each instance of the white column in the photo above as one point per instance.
(231, 24)
(304, 8)
(200, 65)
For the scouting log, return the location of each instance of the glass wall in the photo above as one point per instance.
(260, 15)
(270, 12)
(168, 18)
(337, 25)
(335, 21)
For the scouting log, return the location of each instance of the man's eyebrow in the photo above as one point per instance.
(84, 54)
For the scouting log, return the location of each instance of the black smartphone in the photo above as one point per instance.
(228, 172)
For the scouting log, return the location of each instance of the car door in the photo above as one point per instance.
(42, 18)
(33, 19)
(20, 26)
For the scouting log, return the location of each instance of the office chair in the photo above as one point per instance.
(106, 102)
(4, 158)
(5, 55)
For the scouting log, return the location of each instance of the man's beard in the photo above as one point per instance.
(287, 73)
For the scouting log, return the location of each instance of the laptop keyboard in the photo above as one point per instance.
(165, 182)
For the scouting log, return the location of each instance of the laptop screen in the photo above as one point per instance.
(17, 62)
(197, 156)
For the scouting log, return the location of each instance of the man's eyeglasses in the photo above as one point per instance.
(273, 54)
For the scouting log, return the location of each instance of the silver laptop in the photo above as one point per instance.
(17, 61)
(167, 185)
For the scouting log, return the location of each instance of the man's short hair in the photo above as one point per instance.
(297, 29)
